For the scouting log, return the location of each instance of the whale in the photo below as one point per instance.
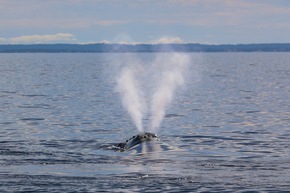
(136, 140)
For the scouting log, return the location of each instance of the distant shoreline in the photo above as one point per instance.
(119, 48)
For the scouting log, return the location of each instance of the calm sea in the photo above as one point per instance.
(227, 129)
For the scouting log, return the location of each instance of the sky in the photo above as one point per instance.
(144, 21)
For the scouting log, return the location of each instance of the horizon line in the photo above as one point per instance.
(129, 44)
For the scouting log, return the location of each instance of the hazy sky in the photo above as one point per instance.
(145, 21)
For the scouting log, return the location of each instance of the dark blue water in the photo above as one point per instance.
(227, 130)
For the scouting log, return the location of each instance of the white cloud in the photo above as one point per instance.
(105, 42)
(32, 39)
(127, 40)
(167, 40)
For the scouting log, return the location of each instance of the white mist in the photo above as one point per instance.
(173, 68)
(128, 87)
(165, 74)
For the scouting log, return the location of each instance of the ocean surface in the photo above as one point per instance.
(226, 130)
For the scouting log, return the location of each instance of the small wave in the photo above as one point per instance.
(173, 115)
(33, 95)
(34, 106)
(32, 119)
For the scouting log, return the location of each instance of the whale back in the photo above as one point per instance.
(137, 139)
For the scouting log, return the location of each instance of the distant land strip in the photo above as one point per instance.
(101, 47)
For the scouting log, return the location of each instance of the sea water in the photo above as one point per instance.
(227, 129)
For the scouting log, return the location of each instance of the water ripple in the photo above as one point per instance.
(228, 132)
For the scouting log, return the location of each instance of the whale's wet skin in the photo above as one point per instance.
(136, 140)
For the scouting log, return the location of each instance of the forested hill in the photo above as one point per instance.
(100, 47)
